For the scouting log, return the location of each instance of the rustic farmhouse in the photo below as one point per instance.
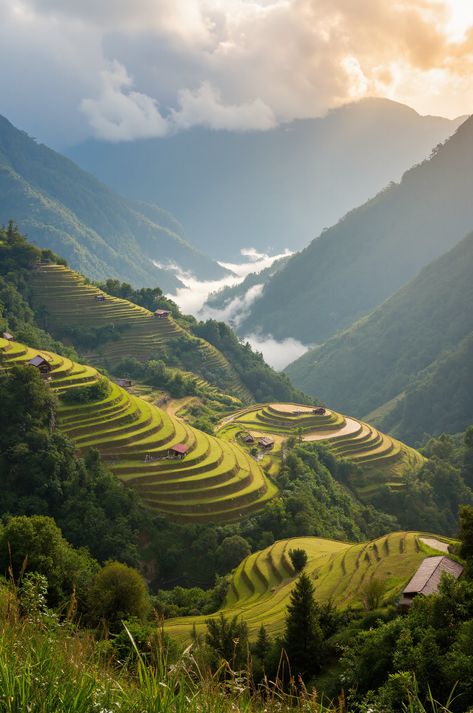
(162, 313)
(40, 363)
(178, 451)
(427, 578)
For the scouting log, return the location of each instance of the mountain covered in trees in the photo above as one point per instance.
(362, 260)
(408, 363)
(271, 189)
(103, 235)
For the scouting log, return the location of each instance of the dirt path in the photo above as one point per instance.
(175, 405)
(435, 544)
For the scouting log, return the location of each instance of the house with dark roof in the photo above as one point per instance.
(428, 577)
(266, 443)
(40, 363)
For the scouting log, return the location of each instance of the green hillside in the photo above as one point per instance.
(66, 302)
(215, 481)
(382, 460)
(260, 586)
(100, 233)
(355, 265)
(411, 356)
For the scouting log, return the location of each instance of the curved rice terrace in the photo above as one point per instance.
(383, 460)
(214, 481)
(65, 300)
(260, 587)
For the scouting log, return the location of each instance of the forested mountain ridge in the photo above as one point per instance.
(358, 263)
(272, 189)
(416, 346)
(63, 208)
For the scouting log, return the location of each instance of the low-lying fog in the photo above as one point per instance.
(193, 296)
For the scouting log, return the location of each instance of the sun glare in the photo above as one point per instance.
(461, 18)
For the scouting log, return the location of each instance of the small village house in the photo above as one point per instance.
(9, 337)
(40, 363)
(319, 411)
(266, 443)
(162, 313)
(100, 298)
(178, 451)
(427, 578)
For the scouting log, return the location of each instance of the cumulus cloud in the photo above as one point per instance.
(277, 354)
(232, 64)
(204, 107)
(121, 114)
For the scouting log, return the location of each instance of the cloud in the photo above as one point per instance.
(232, 64)
(192, 297)
(121, 114)
(235, 310)
(276, 354)
(204, 107)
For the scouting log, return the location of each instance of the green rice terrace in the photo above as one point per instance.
(65, 301)
(177, 470)
(260, 586)
(383, 460)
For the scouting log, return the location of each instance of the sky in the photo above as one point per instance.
(121, 70)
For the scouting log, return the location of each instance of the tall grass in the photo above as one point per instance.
(66, 671)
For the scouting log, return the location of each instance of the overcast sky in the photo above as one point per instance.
(126, 69)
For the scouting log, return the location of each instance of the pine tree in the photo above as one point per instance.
(262, 644)
(303, 635)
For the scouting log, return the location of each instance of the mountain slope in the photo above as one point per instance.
(68, 306)
(215, 481)
(270, 189)
(100, 233)
(261, 585)
(355, 265)
(418, 342)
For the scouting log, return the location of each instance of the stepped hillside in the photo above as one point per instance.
(66, 304)
(411, 356)
(261, 585)
(63, 208)
(382, 460)
(358, 263)
(271, 189)
(215, 481)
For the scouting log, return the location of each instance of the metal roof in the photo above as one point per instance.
(427, 578)
(38, 360)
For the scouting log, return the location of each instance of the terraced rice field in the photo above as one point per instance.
(216, 481)
(383, 459)
(261, 585)
(65, 300)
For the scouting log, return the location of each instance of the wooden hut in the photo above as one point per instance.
(319, 411)
(124, 383)
(178, 451)
(266, 443)
(40, 363)
(9, 337)
(247, 438)
(427, 578)
(100, 298)
(162, 313)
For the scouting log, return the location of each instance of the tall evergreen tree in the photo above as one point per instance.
(303, 636)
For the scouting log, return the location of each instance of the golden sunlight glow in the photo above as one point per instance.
(461, 18)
